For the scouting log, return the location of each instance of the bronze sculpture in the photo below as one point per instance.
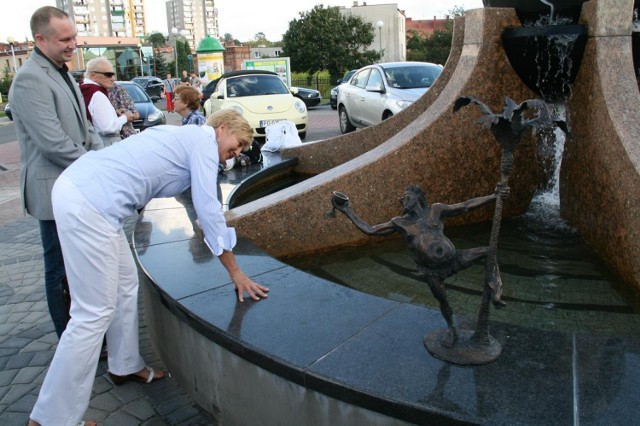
(436, 258)
(422, 227)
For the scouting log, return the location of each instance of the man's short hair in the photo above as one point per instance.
(41, 18)
(189, 95)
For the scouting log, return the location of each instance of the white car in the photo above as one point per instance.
(261, 97)
(377, 92)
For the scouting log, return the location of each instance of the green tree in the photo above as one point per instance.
(228, 40)
(323, 39)
(156, 40)
(161, 67)
(6, 81)
(416, 50)
(436, 46)
(182, 52)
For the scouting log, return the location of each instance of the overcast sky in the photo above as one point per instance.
(242, 18)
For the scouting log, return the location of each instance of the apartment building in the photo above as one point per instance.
(389, 28)
(193, 19)
(106, 18)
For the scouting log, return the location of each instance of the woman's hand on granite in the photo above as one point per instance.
(244, 284)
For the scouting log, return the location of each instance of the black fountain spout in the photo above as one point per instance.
(546, 52)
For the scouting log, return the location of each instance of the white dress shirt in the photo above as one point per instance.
(162, 161)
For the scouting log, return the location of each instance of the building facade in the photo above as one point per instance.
(194, 19)
(128, 57)
(106, 18)
(389, 28)
(13, 56)
(234, 57)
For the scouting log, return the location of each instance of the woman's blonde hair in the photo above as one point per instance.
(237, 124)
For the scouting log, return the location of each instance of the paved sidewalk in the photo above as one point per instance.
(28, 341)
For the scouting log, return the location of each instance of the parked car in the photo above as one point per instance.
(261, 97)
(7, 111)
(207, 90)
(310, 97)
(333, 97)
(152, 85)
(377, 92)
(149, 115)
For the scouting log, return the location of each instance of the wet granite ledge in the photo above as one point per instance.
(318, 351)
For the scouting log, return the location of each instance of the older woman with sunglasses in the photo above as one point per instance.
(186, 102)
(99, 79)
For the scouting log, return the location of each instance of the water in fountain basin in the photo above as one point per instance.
(552, 279)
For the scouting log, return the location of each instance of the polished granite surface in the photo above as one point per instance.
(368, 351)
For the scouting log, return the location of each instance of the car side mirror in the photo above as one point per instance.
(377, 87)
(217, 95)
(293, 90)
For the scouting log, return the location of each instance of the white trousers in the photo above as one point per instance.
(103, 282)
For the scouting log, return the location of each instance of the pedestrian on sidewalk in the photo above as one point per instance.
(53, 131)
(169, 85)
(91, 200)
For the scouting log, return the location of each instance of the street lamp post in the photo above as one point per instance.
(11, 41)
(380, 24)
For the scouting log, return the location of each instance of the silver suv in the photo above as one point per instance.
(377, 92)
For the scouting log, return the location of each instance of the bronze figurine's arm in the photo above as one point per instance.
(474, 203)
(380, 230)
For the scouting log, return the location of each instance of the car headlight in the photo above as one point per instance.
(154, 116)
(299, 106)
(334, 91)
(403, 104)
(237, 109)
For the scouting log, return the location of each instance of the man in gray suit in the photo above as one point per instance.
(53, 131)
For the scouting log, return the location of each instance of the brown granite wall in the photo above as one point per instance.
(451, 157)
(600, 179)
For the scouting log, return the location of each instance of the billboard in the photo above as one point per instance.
(280, 66)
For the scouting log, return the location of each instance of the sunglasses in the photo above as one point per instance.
(106, 74)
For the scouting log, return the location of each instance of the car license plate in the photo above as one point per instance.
(265, 123)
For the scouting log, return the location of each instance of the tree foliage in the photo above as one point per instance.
(228, 40)
(436, 46)
(324, 39)
(156, 40)
(183, 52)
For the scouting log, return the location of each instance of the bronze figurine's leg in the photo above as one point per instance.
(495, 282)
(440, 293)
(468, 256)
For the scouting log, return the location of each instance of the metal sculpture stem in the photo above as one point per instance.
(481, 334)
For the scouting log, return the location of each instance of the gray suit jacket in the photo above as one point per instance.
(53, 131)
